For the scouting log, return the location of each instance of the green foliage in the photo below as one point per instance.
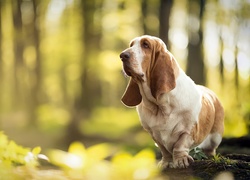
(51, 118)
(14, 154)
(221, 159)
(235, 103)
(246, 113)
(197, 153)
(69, 64)
(101, 162)
(13, 157)
(110, 121)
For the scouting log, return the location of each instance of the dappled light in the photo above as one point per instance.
(61, 79)
(110, 122)
(91, 163)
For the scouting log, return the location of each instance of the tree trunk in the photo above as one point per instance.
(91, 42)
(1, 60)
(144, 5)
(236, 73)
(221, 65)
(164, 16)
(33, 71)
(90, 84)
(1, 64)
(36, 86)
(195, 64)
(18, 53)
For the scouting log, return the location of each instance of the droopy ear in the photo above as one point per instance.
(132, 96)
(162, 78)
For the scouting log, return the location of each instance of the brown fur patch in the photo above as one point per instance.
(211, 117)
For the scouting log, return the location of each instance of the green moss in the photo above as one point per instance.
(221, 159)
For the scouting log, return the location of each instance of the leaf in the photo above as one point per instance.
(99, 152)
(77, 148)
(146, 157)
(197, 154)
(123, 159)
(65, 160)
(36, 150)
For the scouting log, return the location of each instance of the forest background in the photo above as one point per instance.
(61, 77)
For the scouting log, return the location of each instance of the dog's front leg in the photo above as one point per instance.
(167, 158)
(181, 149)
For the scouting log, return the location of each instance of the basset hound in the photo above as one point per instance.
(178, 114)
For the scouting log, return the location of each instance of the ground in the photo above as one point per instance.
(232, 160)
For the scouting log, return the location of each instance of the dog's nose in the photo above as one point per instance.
(124, 56)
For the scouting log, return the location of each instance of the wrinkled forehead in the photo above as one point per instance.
(135, 41)
(151, 39)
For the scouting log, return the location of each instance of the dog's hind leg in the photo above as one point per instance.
(210, 144)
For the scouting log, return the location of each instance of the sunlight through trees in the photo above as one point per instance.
(61, 76)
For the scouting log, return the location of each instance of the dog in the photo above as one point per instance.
(178, 114)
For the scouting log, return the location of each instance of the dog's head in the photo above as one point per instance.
(148, 60)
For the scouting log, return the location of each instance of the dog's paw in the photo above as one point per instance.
(163, 164)
(183, 161)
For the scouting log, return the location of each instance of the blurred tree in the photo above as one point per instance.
(18, 50)
(221, 65)
(236, 71)
(91, 39)
(36, 71)
(32, 55)
(144, 7)
(231, 19)
(150, 17)
(59, 59)
(1, 63)
(195, 64)
(26, 56)
(90, 84)
(164, 16)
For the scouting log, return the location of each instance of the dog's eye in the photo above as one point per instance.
(145, 44)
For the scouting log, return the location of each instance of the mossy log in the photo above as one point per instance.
(237, 164)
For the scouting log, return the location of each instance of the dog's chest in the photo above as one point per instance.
(167, 124)
(160, 125)
(152, 120)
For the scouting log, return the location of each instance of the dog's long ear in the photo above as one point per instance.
(162, 78)
(132, 96)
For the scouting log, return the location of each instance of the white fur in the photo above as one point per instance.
(172, 117)
(184, 97)
(211, 141)
(138, 57)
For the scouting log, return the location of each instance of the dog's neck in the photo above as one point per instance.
(149, 101)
